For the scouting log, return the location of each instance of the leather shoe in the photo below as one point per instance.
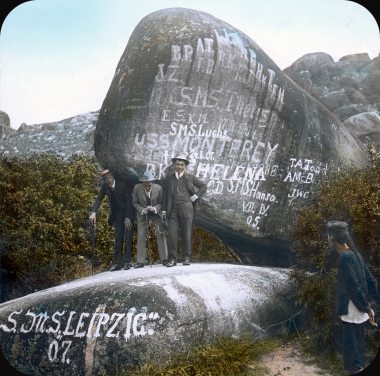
(139, 265)
(186, 260)
(171, 262)
(115, 267)
(165, 262)
(127, 265)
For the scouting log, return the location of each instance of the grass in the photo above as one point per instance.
(224, 356)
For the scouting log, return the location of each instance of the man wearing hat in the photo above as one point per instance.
(146, 199)
(357, 288)
(181, 193)
(121, 214)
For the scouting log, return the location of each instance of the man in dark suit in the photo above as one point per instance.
(146, 199)
(121, 214)
(181, 194)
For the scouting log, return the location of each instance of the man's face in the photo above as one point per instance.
(148, 186)
(109, 179)
(180, 166)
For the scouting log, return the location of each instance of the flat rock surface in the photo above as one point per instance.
(131, 316)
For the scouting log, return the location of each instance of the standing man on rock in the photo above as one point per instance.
(356, 289)
(121, 214)
(147, 198)
(181, 194)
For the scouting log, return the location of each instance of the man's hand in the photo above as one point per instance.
(151, 208)
(372, 318)
(163, 214)
(193, 198)
(127, 223)
(93, 219)
(145, 211)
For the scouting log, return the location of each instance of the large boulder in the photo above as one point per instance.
(345, 112)
(366, 127)
(87, 326)
(189, 81)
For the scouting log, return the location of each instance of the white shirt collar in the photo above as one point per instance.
(177, 175)
(147, 192)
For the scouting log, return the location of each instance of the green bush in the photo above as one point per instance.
(352, 196)
(44, 228)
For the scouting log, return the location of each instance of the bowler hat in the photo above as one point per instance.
(104, 173)
(147, 177)
(182, 156)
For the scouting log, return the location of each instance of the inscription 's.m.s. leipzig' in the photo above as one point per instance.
(190, 82)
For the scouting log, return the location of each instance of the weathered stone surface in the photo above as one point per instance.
(366, 126)
(356, 57)
(335, 99)
(5, 125)
(85, 326)
(345, 112)
(189, 81)
(68, 136)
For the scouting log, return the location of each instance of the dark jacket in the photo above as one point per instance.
(120, 200)
(139, 199)
(355, 283)
(193, 185)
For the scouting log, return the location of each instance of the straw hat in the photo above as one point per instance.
(183, 156)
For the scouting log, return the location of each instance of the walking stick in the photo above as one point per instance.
(92, 247)
(148, 229)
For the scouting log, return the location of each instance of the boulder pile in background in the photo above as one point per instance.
(350, 88)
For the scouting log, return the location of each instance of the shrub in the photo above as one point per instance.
(352, 196)
(43, 227)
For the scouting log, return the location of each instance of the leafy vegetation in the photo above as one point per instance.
(352, 196)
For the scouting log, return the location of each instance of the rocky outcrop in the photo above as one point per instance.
(68, 136)
(366, 127)
(348, 87)
(87, 326)
(189, 81)
(5, 125)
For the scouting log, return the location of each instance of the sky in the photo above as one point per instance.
(58, 57)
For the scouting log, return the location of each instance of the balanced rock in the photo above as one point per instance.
(188, 81)
(132, 317)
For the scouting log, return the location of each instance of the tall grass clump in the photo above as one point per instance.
(224, 356)
(352, 196)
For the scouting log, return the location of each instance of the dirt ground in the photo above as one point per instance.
(288, 360)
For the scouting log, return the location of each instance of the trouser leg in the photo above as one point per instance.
(161, 240)
(353, 346)
(186, 214)
(173, 225)
(141, 233)
(119, 234)
(128, 237)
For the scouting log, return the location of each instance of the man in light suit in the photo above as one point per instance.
(146, 199)
(181, 193)
(121, 214)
